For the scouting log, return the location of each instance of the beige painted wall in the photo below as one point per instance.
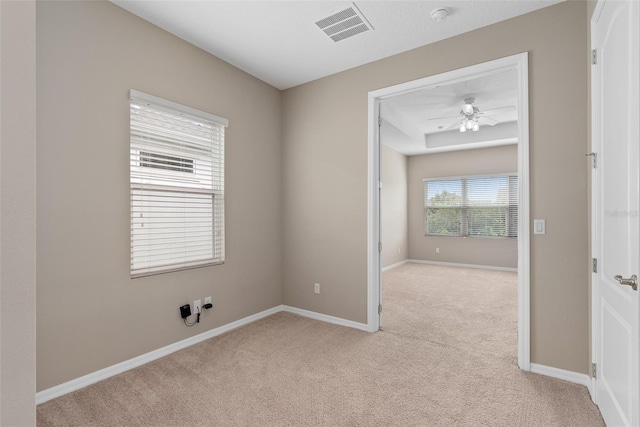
(492, 252)
(90, 314)
(325, 174)
(17, 213)
(393, 199)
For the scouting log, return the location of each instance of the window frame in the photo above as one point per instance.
(511, 217)
(189, 185)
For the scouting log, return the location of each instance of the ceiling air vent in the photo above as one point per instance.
(344, 24)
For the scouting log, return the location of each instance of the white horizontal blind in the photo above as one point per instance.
(177, 186)
(483, 206)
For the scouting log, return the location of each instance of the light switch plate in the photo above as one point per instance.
(539, 226)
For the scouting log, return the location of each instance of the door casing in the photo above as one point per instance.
(517, 62)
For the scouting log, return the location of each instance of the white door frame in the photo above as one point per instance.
(519, 63)
(594, 287)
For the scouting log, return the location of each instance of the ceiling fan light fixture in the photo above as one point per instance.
(467, 107)
(439, 15)
(468, 118)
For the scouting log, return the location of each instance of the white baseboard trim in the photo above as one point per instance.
(561, 374)
(102, 374)
(455, 264)
(392, 266)
(325, 318)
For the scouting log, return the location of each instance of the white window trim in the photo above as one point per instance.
(173, 108)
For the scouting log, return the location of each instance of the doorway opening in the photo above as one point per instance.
(474, 122)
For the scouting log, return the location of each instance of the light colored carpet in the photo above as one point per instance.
(464, 308)
(445, 358)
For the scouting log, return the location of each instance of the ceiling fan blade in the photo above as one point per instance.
(488, 121)
(509, 107)
(454, 125)
(426, 104)
(444, 118)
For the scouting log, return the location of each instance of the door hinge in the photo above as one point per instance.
(379, 121)
(594, 56)
(379, 308)
(379, 185)
(594, 156)
(379, 246)
(594, 265)
(594, 370)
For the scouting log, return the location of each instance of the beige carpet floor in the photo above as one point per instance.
(446, 357)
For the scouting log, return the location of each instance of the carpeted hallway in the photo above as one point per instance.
(446, 357)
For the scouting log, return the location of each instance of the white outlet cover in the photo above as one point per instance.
(539, 226)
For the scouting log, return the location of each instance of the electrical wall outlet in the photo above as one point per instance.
(197, 307)
(539, 226)
(437, 250)
(316, 288)
(207, 300)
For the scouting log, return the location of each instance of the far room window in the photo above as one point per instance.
(176, 186)
(475, 206)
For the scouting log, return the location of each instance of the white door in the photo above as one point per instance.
(616, 142)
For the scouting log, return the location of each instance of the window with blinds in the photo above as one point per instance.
(177, 186)
(478, 206)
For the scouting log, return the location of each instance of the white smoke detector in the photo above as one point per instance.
(439, 15)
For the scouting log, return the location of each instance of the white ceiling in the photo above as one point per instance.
(279, 43)
(427, 120)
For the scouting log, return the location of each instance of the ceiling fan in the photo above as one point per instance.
(470, 117)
